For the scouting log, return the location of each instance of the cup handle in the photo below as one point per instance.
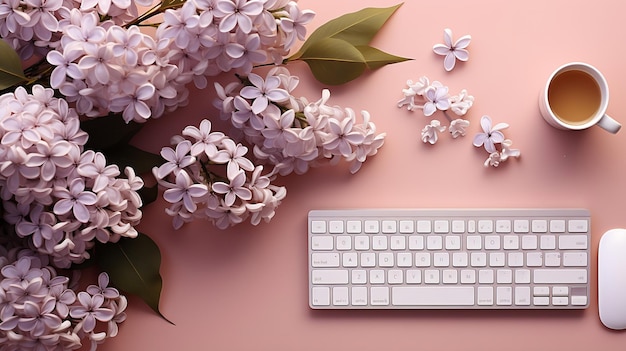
(609, 124)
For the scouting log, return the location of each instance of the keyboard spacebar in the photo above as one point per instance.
(432, 296)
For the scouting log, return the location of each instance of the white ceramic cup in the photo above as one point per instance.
(599, 117)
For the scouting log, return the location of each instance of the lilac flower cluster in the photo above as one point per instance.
(111, 66)
(433, 97)
(290, 133)
(58, 196)
(196, 185)
(40, 311)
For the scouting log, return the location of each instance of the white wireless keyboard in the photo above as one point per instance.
(449, 259)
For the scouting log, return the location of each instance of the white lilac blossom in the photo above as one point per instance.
(291, 134)
(40, 311)
(452, 50)
(209, 176)
(458, 127)
(490, 138)
(433, 97)
(430, 132)
(70, 197)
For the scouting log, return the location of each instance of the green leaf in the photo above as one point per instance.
(334, 61)
(171, 4)
(127, 155)
(109, 132)
(357, 28)
(375, 58)
(148, 194)
(133, 267)
(11, 72)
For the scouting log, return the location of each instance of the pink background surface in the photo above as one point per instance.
(246, 288)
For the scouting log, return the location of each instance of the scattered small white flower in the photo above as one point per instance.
(458, 127)
(429, 133)
(452, 51)
(459, 104)
(490, 135)
(494, 159)
(507, 151)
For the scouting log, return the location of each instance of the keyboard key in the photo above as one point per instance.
(522, 296)
(557, 226)
(539, 226)
(371, 227)
(458, 226)
(485, 295)
(575, 259)
(578, 226)
(335, 227)
(322, 242)
(413, 276)
(353, 227)
(318, 227)
(560, 276)
(350, 259)
(432, 296)
(434, 242)
(323, 259)
(344, 242)
(395, 276)
(359, 276)
(441, 226)
(359, 296)
(423, 226)
(485, 226)
(572, 242)
(320, 296)
(379, 295)
(407, 227)
(521, 226)
(503, 226)
(398, 242)
(416, 242)
(361, 243)
(340, 296)
(329, 276)
(504, 295)
(389, 227)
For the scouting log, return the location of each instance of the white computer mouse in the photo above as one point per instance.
(612, 279)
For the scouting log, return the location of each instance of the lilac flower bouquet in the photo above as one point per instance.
(74, 71)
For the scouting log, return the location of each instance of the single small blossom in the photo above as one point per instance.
(452, 51)
(458, 127)
(429, 133)
(459, 104)
(494, 160)
(263, 91)
(185, 191)
(437, 99)
(490, 135)
(507, 151)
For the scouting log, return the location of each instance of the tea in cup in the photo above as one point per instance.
(576, 97)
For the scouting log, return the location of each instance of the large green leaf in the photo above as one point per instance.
(375, 58)
(109, 132)
(357, 28)
(127, 155)
(11, 72)
(133, 266)
(334, 61)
